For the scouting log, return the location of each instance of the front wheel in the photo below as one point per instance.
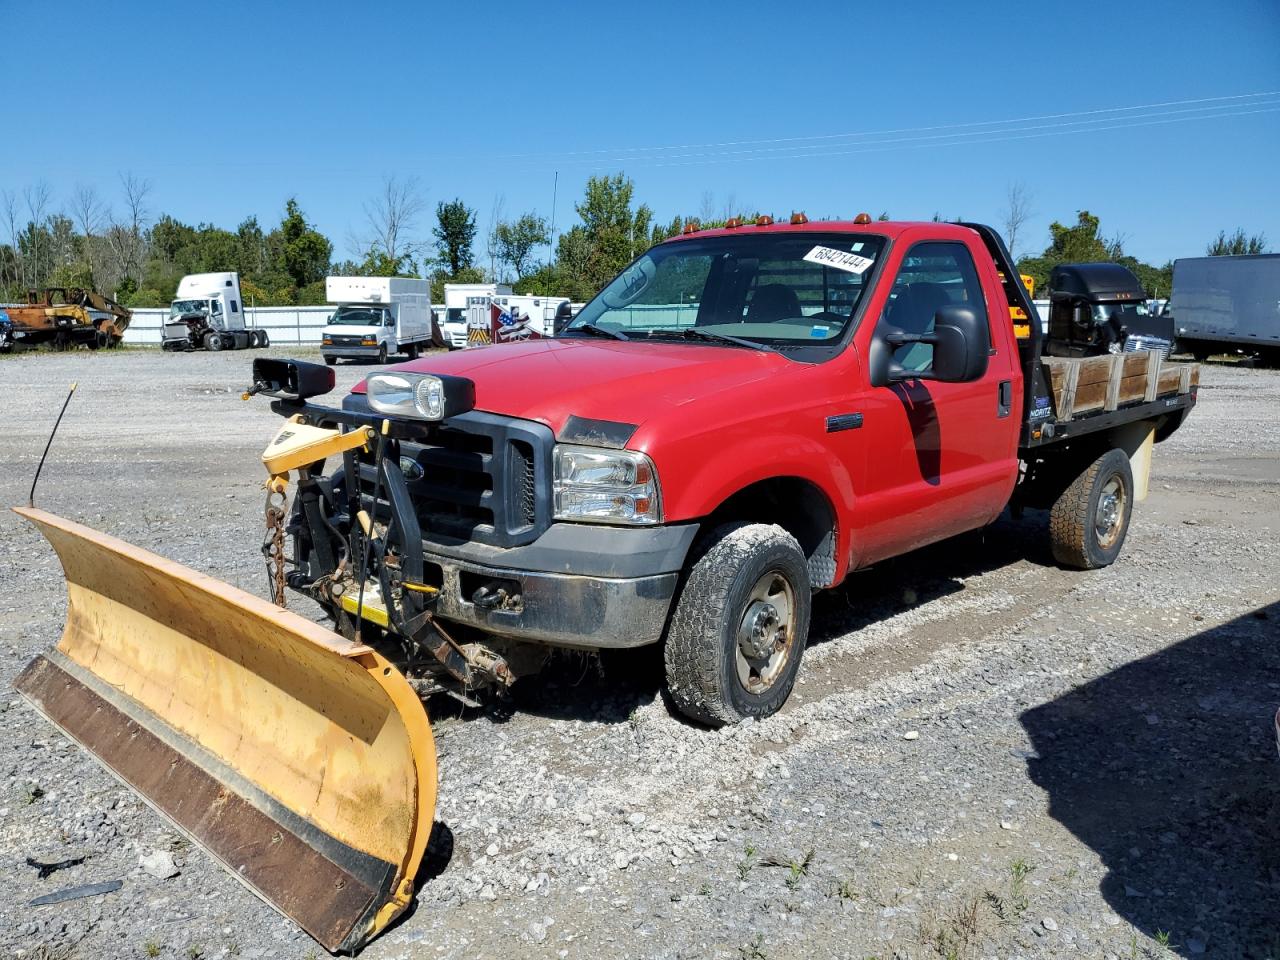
(214, 341)
(382, 353)
(740, 625)
(1089, 521)
(330, 361)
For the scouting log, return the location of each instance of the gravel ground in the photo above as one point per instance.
(985, 755)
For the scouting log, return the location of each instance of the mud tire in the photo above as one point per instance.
(1073, 520)
(702, 640)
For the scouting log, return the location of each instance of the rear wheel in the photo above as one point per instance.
(740, 626)
(1089, 521)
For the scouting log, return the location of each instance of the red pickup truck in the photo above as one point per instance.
(739, 419)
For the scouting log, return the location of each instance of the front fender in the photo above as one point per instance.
(696, 482)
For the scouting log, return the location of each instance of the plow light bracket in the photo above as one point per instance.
(290, 379)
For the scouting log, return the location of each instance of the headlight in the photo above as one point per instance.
(605, 486)
(420, 396)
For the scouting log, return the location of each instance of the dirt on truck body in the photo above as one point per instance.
(742, 418)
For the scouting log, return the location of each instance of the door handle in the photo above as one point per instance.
(1004, 398)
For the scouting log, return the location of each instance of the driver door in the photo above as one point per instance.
(941, 457)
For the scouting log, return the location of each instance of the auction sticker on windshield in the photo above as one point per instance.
(830, 257)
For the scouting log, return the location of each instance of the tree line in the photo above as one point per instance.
(122, 251)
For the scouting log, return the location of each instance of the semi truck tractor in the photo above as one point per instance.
(376, 317)
(743, 417)
(207, 313)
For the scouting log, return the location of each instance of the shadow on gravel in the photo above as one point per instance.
(1167, 769)
(928, 574)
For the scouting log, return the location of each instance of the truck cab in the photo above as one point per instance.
(207, 312)
(742, 417)
(376, 317)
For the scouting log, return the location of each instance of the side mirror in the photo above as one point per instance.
(290, 379)
(564, 313)
(961, 343)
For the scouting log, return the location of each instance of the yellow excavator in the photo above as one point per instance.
(300, 758)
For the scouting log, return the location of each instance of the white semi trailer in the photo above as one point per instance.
(376, 317)
(208, 313)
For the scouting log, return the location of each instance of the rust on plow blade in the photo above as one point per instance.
(302, 761)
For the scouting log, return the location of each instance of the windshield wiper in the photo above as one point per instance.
(693, 333)
(598, 331)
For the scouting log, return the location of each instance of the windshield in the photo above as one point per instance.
(455, 315)
(768, 288)
(182, 307)
(356, 317)
(1123, 312)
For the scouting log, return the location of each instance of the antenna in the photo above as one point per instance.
(555, 186)
(31, 497)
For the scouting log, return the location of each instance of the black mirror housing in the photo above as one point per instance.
(961, 342)
(291, 379)
(961, 345)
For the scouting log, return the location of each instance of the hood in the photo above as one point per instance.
(550, 380)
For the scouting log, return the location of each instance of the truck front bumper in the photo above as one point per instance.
(618, 593)
(348, 351)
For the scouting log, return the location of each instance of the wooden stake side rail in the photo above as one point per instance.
(1089, 384)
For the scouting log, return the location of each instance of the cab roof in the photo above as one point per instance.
(880, 228)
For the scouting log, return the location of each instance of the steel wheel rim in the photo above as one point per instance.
(766, 633)
(1109, 516)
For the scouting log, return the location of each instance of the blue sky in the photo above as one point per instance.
(231, 108)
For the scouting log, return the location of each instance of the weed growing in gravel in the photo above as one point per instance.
(747, 862)
(753, 949)
(195, 951)
(151, 949)
(797, 870)
(31, 792)
(1013, 904)
(846, 890)
(704, 890)
(957, 935)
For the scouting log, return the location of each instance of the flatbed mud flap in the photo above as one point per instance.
(302, 761)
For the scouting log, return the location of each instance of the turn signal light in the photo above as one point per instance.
(798, 218)
(862, 218)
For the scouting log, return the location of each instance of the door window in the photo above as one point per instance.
(933, 275)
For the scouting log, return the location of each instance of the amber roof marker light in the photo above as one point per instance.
(692, 226)
(732, 223)
(764, 220)
(862, 218)
(798, 218)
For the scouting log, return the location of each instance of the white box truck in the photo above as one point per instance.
(375, 318)
(509, 319)
(208, 313)
(453, 325)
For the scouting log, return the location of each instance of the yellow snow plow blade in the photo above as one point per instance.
(303, 761)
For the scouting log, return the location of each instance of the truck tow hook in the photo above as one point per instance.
(487, 597)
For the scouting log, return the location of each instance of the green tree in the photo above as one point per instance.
(610, 236)
(440, 276)
(1082, 242)
(516, 241)
(455, 232)
(1237, 244)
(304, 252)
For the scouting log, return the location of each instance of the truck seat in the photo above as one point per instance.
(771, 303)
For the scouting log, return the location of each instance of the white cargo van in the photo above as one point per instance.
(207, 312)
(376, 317)
(508, 319)
(453, 325)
